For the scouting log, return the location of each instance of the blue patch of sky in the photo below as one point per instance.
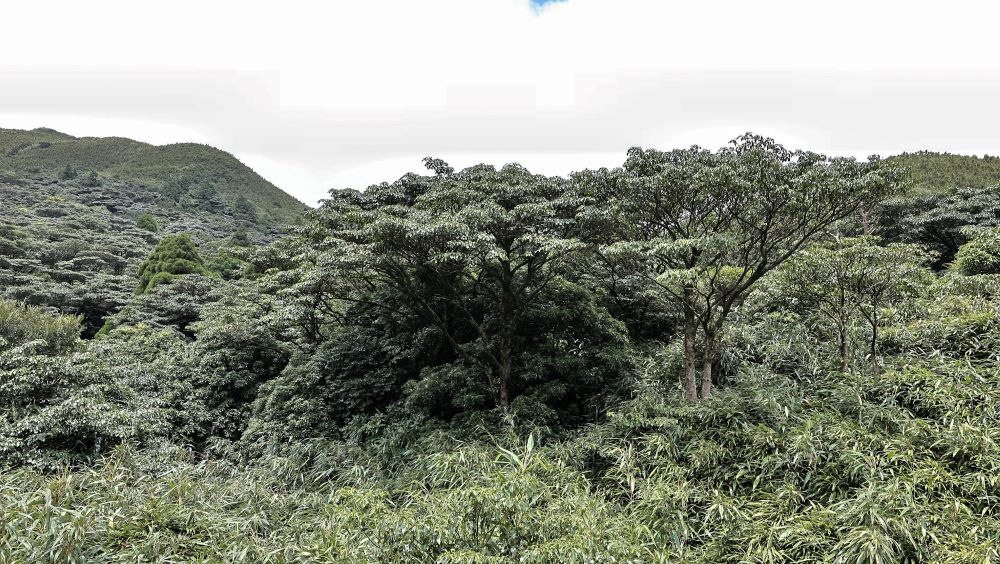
(539, 4)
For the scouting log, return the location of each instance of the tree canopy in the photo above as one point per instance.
(708, 226)
(173, 255)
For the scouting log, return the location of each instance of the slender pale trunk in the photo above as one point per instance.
(690, 374)
(876, 361)
(866, 222)
(842, 330)
(707, 356)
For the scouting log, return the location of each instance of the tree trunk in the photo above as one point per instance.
(876, 361)
(503, 380)
(690, 374)
(707, 356)
(866, 221)
(506, 338)
(842, 331)
(843, 345)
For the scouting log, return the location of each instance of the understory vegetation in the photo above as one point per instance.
(744, 355)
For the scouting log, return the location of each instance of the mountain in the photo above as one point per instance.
(170, 169)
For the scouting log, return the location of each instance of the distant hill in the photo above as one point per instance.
(78, 215)
(935, 172)
(176, 170)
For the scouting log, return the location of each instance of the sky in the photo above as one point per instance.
(338, 94)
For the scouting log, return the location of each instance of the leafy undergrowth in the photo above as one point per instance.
(904, 467)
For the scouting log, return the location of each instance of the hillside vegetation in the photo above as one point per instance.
(79, 215)
(744, 355)
(928, 171)
(48, 153)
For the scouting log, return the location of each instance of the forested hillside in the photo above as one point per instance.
(752, 354)
(184, 172)
(79, 215)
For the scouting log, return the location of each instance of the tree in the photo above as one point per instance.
(472, 254)
(147, 222)
(240, 238)
(884, 276)
(91, 180)
(244, 209)
(173, 255)
(438, 166)
(708, 226)
(360, 370)
(847, 278)
(206, 197)
(238, 351)
(68, 173)
(176, 188)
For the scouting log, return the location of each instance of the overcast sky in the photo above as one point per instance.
(345, 94)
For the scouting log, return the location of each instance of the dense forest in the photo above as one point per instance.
(751, 354)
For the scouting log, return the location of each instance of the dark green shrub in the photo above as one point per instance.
(173, 255)
(147, 222)
(68, 173)
(91, 180)
(980, 255)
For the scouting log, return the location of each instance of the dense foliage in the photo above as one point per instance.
(173, 255)
(930, 172)
(490, 365)
(981, 255)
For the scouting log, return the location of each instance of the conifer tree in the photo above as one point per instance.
(174, 255)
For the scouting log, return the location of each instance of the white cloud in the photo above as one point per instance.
(319, 95)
